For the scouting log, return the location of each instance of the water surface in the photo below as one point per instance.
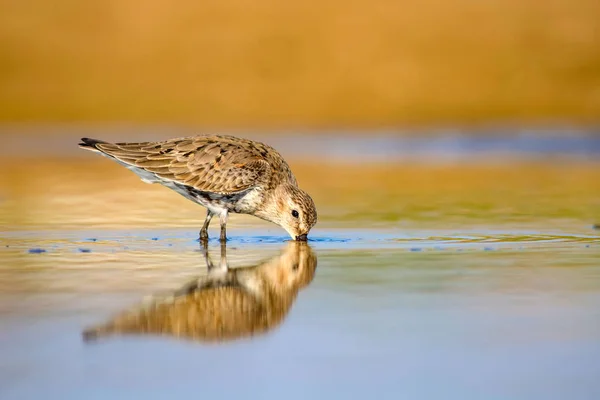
(476, 280)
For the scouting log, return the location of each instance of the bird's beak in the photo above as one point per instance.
(302, 237)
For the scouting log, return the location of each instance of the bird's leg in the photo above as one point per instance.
(223, 220)
(204, 230)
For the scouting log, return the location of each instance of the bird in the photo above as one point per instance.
(224, 304)
(224, 173)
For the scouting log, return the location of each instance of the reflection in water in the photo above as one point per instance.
(225, 304)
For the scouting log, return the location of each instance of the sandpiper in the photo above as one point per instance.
(222, 173)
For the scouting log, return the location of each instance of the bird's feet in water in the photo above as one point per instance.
(204, 237)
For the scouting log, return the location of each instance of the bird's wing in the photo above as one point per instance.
(205, 163)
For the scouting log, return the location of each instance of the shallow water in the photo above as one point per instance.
(453, 281)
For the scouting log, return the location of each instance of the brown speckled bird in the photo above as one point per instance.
(225, 304)
(224, 174)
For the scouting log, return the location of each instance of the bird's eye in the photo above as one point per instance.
(295, 214)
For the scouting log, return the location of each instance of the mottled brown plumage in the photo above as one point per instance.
(224, 305)
(223, 173)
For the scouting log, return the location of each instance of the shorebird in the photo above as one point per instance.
(223, 173)
(225, 304)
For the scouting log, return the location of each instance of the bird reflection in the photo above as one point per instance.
(226, 304)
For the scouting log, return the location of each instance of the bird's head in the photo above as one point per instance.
(293, 209)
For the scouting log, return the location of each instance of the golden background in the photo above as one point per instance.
(268, 63)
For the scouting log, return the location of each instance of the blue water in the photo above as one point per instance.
(390, 315)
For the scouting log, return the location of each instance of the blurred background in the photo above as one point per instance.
(274, 64)
(394, 88)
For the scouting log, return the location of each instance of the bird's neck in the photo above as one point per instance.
(270, 208)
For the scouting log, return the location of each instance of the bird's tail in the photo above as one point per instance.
(90, 144)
